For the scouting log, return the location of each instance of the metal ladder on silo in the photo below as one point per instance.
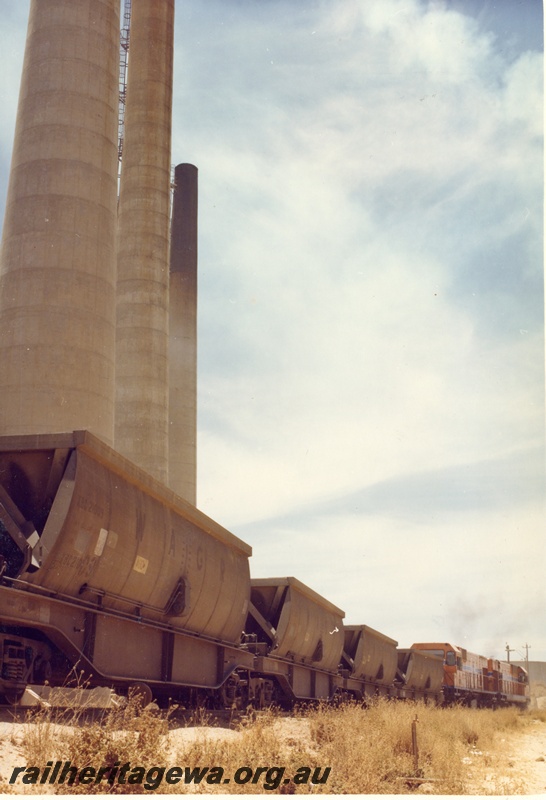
(125, 35)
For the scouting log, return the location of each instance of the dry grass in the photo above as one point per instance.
(367, 750)
(538, 714)
(128, 734)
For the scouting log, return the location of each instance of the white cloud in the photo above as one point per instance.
(523, 94)
(378, 227)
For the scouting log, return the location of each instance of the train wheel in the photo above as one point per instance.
(42, 672)
(234, 694)
(140, 693)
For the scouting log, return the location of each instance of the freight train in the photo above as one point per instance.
(106, 572)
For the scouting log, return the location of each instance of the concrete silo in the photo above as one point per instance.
(57, 285)
(141, 432)
(183, 335)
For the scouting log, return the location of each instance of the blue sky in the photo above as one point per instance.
(371, 324)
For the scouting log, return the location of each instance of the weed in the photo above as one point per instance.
(128, 734)
(369, 750)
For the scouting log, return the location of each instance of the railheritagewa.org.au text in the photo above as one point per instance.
(152, 778)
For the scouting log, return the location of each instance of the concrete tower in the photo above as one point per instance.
(143, 241)
(183, 335)
(57, 262)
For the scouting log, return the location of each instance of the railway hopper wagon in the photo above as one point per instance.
(297, 638)
(475, 680)
(105, 569)
(420, 675)
(369, 662)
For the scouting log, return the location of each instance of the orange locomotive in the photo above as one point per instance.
(476, 680)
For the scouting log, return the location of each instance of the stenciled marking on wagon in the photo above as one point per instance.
(90, 506)
(83, 565)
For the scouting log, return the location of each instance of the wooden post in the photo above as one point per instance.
(415, 748)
